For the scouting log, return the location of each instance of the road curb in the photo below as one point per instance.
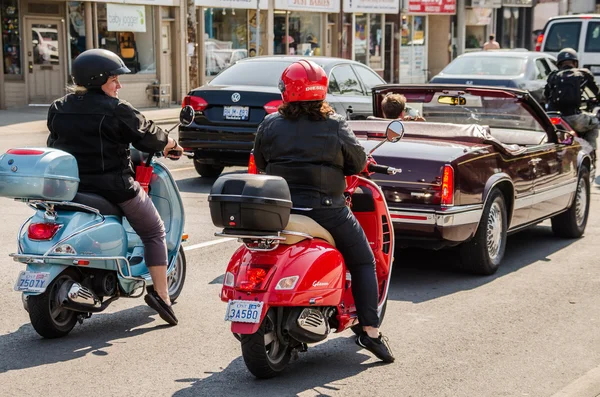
(586, 386)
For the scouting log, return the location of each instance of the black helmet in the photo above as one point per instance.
(567, 54)
(92, 68)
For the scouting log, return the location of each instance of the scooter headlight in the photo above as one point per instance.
(229, 279)
(287, 283)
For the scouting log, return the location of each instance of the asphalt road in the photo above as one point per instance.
(529, 330)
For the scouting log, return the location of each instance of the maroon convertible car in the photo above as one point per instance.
(487, 162)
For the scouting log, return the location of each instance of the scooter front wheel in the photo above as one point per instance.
(48, 317)
(264, 353)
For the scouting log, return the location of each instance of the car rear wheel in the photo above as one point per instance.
(208, 170)
(484, 252)
(571, 224)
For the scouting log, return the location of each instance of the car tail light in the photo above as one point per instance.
(447, 186)
(25, 152)
(555, 120)
(538, 44)
(254, 278)
(196, 102)
(272, 106)
(375, 134)
(252, 165)
(42, 231)
(585, 17)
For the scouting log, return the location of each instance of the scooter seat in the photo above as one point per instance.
(98, 202)
(306, 225)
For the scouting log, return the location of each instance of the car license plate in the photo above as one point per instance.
(244, 311)
(236, 112)
(32, 281)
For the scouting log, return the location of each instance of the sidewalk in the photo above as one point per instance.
(33, 118)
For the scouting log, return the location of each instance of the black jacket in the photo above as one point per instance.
(312, 156)
(98, 129)
(585, 80)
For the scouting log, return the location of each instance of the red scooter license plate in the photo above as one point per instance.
(244, 311)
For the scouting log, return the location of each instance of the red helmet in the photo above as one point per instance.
(303, 81)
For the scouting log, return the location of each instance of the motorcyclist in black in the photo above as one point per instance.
(564, 90)
(97, 127)
(313, 149)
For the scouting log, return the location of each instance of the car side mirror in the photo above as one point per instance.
(394, 131)
(186, 117)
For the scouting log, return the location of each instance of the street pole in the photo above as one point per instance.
(563, 7)
(460, 27)
(257, 28)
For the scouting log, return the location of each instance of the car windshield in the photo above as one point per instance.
(255, 73)
(486, 66)
(495, 111)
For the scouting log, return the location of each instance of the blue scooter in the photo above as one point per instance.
(80, 251)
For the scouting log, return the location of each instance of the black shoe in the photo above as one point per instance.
(164, 311)
(378, 346)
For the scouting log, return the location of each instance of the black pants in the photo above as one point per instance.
(352, 243)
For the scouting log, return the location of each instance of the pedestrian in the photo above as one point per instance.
(393, 107)
(492, 44)
(313, 149)
(97, 127)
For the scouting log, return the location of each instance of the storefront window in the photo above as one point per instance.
(376, 41)
(226, 37)
(11, 45)
(76, 28)
(128, 31)
(360, 38)
(413, 50)
(297, 33)
(510, 27)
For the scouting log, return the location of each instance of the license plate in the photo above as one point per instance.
(244, 311)
(32, 281)
(236, 112)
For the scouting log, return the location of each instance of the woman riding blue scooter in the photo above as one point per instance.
(96, 127)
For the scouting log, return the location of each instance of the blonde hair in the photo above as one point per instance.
(76, 89)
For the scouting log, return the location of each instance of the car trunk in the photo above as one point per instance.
(475, 80)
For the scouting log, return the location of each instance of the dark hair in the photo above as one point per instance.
(393, 105)
(313, 110)
(492, 36)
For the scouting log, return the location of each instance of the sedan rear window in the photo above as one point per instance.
(486, 66)
(251, 73)
(563, 35)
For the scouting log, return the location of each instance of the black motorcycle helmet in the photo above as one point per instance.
(567, 54)
(92, 68)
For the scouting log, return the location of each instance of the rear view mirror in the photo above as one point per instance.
(452, 100)
(186, 117)
(394, 131)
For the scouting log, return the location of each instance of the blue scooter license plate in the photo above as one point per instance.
(32, 281)
(243, 311)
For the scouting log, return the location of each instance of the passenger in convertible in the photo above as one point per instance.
(393, 107)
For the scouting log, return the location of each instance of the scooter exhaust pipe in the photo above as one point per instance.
(76, 297)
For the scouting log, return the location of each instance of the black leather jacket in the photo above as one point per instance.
(586, 80)
(98, 129)
(312, 156)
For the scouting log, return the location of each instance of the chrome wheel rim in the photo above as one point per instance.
(274, 348)
(494, 231)
(580, 202)
(174, 278)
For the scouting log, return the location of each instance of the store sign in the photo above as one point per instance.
(146, 2)
(125, 18)
(432, 6)
(308, 5)
(517, 3)
(373, 6)
(484, 3)
(247, 4)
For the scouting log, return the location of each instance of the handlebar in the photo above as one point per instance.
(383, 169)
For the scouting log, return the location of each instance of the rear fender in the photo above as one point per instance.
(494, 181)
(249, 328)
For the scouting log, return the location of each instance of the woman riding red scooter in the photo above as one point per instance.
(313, 149)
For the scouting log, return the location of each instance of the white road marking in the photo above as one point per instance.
(207, 244)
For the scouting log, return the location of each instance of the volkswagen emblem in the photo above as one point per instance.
(236, 97)
(469, 82)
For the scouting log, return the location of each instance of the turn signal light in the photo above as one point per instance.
(538, 43)
(447, 186)
(196, 102)
(252, 165)
(42, 231)
(555, 120)
(272, 106)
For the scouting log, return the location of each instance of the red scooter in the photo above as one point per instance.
(289, 288)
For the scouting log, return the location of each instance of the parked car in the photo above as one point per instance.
(512, 68)
(487, 162)
(580, 32)
(232, 105)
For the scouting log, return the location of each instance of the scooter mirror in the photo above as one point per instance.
(186, 117)
(394, 131)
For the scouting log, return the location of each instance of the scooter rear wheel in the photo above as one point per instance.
(48, 318)
(264, 353)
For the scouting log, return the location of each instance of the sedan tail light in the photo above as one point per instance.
(42, 231)
(447, 186)
(538, 44)
(196, 102)
(272, 106)
(555, 120)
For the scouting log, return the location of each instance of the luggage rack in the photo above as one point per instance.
(260, 241)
